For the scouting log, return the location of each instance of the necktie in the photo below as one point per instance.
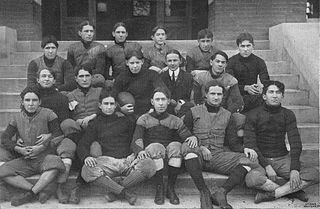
(173, 79)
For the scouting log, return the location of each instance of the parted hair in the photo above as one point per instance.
(278, 84)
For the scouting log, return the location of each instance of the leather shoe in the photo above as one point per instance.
(172, 196)
(159, 198)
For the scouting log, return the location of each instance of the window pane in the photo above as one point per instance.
(77, 8)
(176, 8)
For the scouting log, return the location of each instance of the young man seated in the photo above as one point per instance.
(213, 125)
(232, 99)
(198, 58)
(88, 51)
(247, 68)
(158, 135)
(265, 131)
(65, 147)
(35, 126)
(113, 131)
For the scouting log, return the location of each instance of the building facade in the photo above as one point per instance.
(183, 18)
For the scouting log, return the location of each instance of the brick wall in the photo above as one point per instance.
(227, 18)
(22, 15)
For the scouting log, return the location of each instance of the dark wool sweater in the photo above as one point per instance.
(113, 132)
(115, 57)
(140, 85)
(62, 68)
(158, 128)
(54, 100)
(247, 69)
(92, 52)
(265, 130)
(198, 59)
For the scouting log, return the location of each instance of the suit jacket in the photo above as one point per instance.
(183, 85)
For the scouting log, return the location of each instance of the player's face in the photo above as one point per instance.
(205, 43)
(218, 64)
(86, 33)
(120, 34)
(173, 61)
(31, 102)
(159, 37)
(214, 96)
(273, 96)
(160, 102)
(50, 51)
(108, 105)
(245, 48)
(134, 64)
(46, 79)
(84, 78)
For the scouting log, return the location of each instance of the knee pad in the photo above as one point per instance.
(175, 162)
(190, 156)
(174, 150)
(156, 150)
(255, 179)
(158, 163)
(147, 167)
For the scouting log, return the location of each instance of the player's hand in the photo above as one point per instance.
(192, 141)
(142, 155)
(272, 175)
(295, 181)
(252, 89)
(20, 142)
(36, 150)
(206, 153)
(158, 70)
(90, 162)
(127, 108)
(250, 153)
(43, 138)
(25, 151)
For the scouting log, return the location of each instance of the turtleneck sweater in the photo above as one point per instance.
(113, 132)
(115, 57)
(54, 100)
(160, 128)
(247, 69)
(141, 85)
(265, 130)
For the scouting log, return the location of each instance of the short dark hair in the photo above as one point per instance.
(48, 69)
(30, 89)
(205, 33)
(212, 84)
(133, 53)
(84, 23)
(106, 92)
(244, 37)
(154, 30)
(222, 53)
(88, 66)
(119, 24)
(174, 51)
(48, 40)
(163, 90)
(278, 84)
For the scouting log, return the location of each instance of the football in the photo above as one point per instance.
(125, 98)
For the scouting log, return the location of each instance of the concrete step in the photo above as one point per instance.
(291, 81)
(27, 46)
(305, 114)
(13, 71)
(13, 85)
(310, 154)
(186, 202)
(24, 58)
(292, 97)
(20, 71)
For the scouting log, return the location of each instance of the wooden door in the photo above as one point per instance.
(176, 15)
(74, 12)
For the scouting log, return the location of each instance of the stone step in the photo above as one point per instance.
(305, 114)
(310, 154)
(309, 132)
(186, 202)
(292, 97)
(13, 71)
(35, 46)
(291, 81)
(19, 58)
(13, 85)
(20, 71)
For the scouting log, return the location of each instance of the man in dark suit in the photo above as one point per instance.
(178, 82)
